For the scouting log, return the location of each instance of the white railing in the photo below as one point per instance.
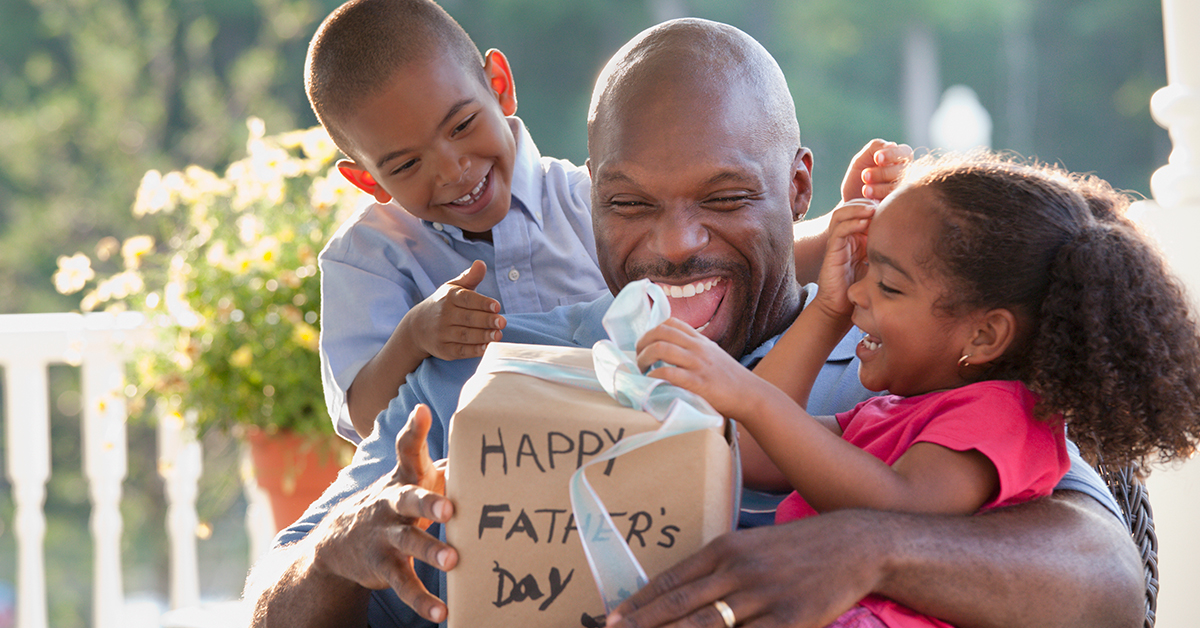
(100, 345)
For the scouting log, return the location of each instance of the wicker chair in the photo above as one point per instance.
(1131, 495)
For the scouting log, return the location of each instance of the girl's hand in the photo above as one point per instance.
(695, 363)
(845, 256)
(873, 172)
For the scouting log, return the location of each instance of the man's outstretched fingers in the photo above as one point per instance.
(412, 453)
(414, 542)
(408, 587)
(678, 595)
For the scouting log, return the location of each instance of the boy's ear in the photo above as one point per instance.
(500, 79)
(996, 331)
(800, 192)
(362, 180)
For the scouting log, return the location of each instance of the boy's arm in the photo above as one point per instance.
(454, 322)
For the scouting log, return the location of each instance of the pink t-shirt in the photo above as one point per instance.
(993, 417)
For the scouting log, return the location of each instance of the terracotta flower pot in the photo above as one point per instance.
(293, 469)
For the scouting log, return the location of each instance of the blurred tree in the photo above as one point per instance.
(96, 93)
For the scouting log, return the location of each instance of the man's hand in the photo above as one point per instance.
(874, 170)
(372, 537)
(801, 574)
(455, 321)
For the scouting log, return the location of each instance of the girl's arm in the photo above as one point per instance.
(827, 471)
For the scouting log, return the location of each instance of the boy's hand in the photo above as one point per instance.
(845, 253)
(874, 170)
(455, 321)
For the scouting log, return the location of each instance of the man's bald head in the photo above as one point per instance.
(696, 61)
(697, 174)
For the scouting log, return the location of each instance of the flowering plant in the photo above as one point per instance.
(227, 271)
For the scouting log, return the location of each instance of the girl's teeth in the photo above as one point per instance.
(869, 344)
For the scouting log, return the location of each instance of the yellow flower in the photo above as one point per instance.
(242, 357)
(73, 273)
(306, 336)
(317, 145)
(134, 248)
(330, 190)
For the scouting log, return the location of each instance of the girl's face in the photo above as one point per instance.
(910, 348)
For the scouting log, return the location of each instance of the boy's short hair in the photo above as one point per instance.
(362, 44)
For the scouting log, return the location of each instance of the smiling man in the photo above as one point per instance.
(699, 173)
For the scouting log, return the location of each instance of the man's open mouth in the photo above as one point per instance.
(696, 303)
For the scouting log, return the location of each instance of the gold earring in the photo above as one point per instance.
(963, 362)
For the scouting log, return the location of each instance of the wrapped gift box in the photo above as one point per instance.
(515, 441)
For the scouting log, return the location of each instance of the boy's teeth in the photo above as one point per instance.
(470, 196)
(690, 290)
(870, 344)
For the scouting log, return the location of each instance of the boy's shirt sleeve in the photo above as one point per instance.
(368, 284)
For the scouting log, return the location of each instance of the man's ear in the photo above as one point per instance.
(993, 335)
(800, 193)
(500, 79)
(362, 180)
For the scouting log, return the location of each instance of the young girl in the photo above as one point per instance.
(1000, 300)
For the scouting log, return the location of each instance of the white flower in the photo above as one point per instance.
(73, 273)
(152, 195)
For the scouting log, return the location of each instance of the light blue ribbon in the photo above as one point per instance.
(639, 307)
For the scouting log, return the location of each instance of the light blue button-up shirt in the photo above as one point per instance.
(383, 261)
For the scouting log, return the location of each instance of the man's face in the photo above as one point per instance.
(436, 140)
(686, 191)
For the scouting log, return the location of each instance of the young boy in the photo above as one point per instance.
(426, 121)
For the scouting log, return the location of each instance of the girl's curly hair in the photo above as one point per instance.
(1106, 335)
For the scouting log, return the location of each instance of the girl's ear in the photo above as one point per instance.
(362, 180)
(500, 79)
(993, 335)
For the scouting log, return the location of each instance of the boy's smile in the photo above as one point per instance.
(436, 140)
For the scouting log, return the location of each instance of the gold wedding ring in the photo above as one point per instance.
(726, 613)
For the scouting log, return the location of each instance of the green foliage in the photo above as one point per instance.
(228, 273)
(97, 93)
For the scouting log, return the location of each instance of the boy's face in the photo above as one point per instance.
(436, 140)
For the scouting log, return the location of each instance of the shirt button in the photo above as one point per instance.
(438, 226)
(514, 274)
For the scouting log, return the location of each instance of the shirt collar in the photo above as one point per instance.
(527, 182)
